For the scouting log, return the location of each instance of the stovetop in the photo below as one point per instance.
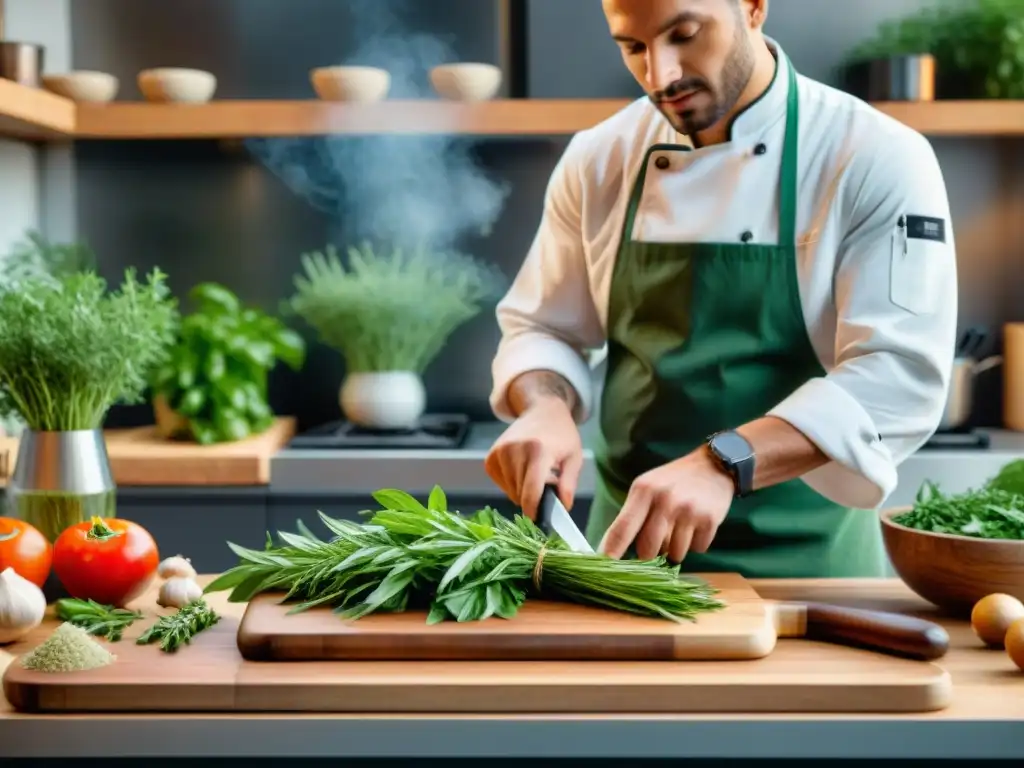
(441, 431)
(970, 439)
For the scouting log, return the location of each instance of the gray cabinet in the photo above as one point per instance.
(198, 522)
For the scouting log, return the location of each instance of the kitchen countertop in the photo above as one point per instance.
(461, 471)
(985, 721)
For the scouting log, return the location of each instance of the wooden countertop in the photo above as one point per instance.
(985, 720)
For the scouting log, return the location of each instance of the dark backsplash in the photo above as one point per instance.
(204, 211)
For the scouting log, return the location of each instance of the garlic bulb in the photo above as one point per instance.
(178, 591)
(176, 566)
(22, 606)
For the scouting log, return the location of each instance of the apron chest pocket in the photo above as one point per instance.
(915, 270)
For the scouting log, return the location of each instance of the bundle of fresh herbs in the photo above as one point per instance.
(410, 555)
(390, 311)
(986, 513)
(213, 388)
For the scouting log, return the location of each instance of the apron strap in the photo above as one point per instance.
(790, 151)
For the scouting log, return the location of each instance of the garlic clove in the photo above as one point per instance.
(176, 566)
(22, 606)
(177, 592)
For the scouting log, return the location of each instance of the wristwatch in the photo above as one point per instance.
(736, 456)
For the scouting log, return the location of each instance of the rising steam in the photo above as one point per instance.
(406, 190)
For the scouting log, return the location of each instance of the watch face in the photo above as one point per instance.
(731, 447)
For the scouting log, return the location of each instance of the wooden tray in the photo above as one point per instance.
(140, 457)
(542, 631)
(210, 676)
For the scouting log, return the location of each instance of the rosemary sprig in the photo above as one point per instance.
(95, 618)
(180, 627)
(458, 567)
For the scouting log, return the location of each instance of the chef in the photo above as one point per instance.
(767, 265)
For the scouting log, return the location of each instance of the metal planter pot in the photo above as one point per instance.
(60, 479)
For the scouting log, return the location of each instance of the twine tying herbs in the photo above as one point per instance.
(538, 569)
(462, 567)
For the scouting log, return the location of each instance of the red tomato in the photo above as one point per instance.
(111, 561)
(25, 549)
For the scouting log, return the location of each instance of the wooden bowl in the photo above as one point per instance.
(953, 572)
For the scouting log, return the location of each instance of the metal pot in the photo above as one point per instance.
(960, 398)
(60, 479)
(21, 62)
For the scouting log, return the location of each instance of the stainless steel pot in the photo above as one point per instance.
(21, 62)
(960, 399)
(61, 478)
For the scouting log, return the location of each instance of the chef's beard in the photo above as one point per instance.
(739, 68)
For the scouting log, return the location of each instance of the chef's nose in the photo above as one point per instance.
(663, 67)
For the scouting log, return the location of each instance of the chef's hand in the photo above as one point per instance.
(672, 510)
(541, 446)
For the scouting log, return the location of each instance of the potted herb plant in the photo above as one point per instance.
(36, 255)
(389, 315)
(897, 64)
(69, 349)
(213, 388)
(977, 47)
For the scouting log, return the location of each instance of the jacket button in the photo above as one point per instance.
(662, 163)
(760, 149)
(747, 236)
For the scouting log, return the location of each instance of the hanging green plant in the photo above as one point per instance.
(213, 388)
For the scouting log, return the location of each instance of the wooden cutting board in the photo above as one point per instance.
(141, 457)
(747, 628)
(543, 631)
(210, 676)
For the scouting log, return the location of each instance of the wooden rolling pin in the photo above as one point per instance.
(891, 633)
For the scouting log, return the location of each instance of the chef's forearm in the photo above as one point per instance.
(534, 387)
(783, 452)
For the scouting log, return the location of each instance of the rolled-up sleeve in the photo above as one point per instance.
(548, 319)
(896, 302)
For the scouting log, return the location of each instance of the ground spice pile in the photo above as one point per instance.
(68, 649)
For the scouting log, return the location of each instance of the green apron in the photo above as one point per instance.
(709, 336)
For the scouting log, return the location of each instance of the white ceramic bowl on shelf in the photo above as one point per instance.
(83, 85)
(466, 81)
(351, 83)
(177, 85)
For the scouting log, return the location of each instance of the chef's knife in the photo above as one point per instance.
(553, 516)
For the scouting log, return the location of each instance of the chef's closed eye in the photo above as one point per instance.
(918, 263)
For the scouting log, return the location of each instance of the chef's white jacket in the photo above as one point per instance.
(880, 307)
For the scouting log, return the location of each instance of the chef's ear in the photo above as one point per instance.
(755, 12)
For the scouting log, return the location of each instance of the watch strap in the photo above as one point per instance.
(741, 470)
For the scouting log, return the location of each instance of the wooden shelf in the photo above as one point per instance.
(526, 117)
(237, 119)
(35, 114)
(960, 118)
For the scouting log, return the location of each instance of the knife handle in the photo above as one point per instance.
(888, 632)
(544, 510)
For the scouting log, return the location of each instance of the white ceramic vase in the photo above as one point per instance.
(384, 399)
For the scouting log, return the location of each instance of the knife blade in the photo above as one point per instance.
(553, 516)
